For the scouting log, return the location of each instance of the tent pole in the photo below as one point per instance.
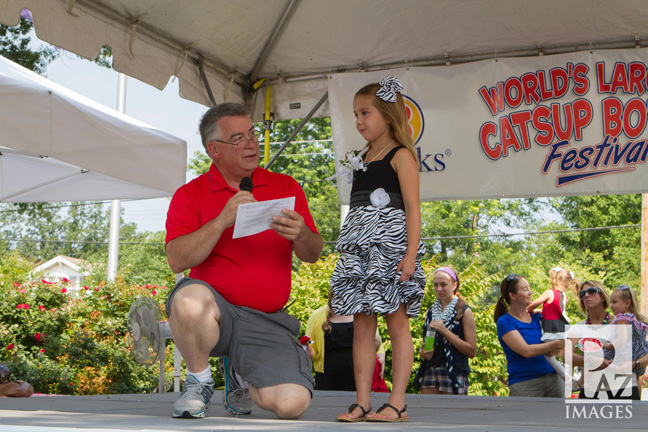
(299, 128)
(203, 75)
(115, 207)
(283, 22)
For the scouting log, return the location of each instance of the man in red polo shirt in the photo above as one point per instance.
(231, 304)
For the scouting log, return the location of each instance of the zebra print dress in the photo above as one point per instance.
(372, 241)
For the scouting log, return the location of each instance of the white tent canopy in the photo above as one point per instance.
(56, 145)
(296, 44)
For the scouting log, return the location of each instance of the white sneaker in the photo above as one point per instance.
(194, 400)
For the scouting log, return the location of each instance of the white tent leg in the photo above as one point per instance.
(205, 82)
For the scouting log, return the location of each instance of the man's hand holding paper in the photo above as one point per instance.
(290, 225)
(253, 218)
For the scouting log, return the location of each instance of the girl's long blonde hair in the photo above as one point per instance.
(395, 114)
(627, 293)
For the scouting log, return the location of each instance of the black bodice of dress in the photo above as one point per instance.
(379, 174)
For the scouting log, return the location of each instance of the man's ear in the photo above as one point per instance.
(212, 150)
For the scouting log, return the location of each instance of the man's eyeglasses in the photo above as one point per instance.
(240, 141)
(590, 291)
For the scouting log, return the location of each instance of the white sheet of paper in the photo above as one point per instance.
(256, 217)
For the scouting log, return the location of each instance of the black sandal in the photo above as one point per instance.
(346, 417)
(384, 419)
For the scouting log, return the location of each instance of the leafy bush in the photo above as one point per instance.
(69, 342)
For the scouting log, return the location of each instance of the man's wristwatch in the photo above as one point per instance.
(637, 364)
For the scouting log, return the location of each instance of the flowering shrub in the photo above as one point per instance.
(66, 342)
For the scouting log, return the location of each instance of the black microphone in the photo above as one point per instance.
(246, 184)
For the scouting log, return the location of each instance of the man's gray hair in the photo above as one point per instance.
(209, 130)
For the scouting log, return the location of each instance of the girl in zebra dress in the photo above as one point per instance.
(445, 368)
(379, 269)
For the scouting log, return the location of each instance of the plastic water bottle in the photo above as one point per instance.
(429, 339)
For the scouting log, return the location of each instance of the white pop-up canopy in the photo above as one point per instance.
(56, 145)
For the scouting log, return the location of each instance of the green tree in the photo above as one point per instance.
(15, 45)
(475, 218)
(45, 230)
(614, 253)
(142, 258)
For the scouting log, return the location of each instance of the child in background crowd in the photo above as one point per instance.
(554, 317)
(331, 351)
(624, 304)
(445, 369)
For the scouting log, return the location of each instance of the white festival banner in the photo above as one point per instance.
(568, 124)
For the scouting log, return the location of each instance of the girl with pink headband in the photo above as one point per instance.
(451, 325)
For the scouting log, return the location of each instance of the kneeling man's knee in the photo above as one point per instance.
(193, 302)
(294, 407)
(287, 401)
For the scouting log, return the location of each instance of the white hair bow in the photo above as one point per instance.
(389, 86)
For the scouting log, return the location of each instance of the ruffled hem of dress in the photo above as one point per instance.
(371, 295)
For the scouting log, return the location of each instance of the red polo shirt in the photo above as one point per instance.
(252, 271)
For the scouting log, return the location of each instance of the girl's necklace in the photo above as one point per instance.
(380, 152)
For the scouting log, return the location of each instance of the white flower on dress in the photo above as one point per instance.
(379, 198)
(355, 160)
(352, 161)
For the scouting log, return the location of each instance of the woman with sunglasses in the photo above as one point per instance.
(593, 302)
(520, 334)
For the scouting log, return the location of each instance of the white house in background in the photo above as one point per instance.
(73, 269)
